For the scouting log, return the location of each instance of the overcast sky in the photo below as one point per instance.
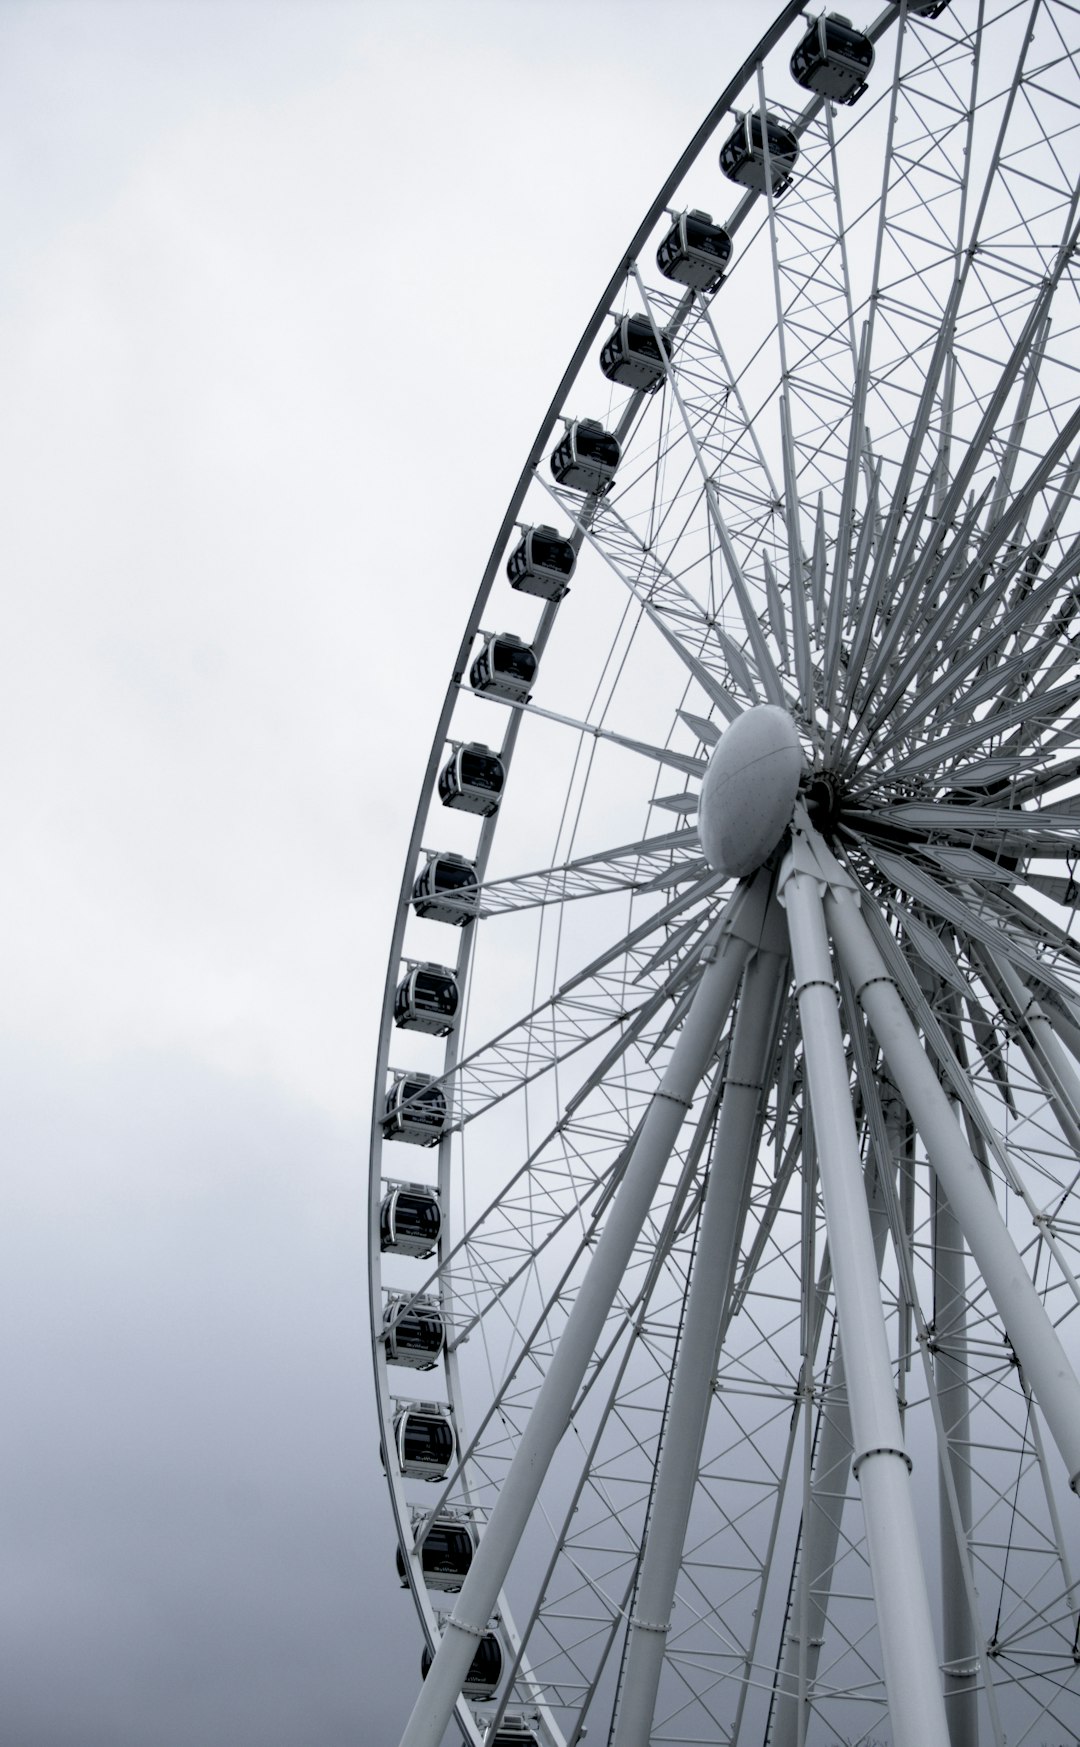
(266, 267)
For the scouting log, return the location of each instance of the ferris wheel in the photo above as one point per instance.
(725, 1175)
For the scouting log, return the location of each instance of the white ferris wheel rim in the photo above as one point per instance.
(928, 551)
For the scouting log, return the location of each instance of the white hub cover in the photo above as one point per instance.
(749, 790)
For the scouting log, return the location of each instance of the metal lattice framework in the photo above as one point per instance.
(756, 1289)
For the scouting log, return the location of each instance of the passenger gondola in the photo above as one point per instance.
(924, 8)
(586, 457)
(426, 999)
(472, 780)
(410, 1220)
(833, 59)
(633, 356)
(446, 889)
(504, 668)
(415, 1111)
(424, 1440)
(485, 1669)
(742, 156)
(445, 1556)
(414, 1330)
(542, 564)
(695, 252)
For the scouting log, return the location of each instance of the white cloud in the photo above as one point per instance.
(287, 289)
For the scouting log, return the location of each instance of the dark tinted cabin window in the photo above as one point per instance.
(781, 143)
(447, 1550)
(417, 1216)
(419, 1332)
(485, 1667)
(487, 1663)
(427, 1440)
(706, 239)
(598, 446)
(849, 43)
(642, 340)
(437, 992)
(451, 878)
(517, 663)
(553, 554)
(481, 772)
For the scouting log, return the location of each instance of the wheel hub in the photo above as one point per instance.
(749, 790)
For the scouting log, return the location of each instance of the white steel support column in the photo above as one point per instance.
(821, 1529)
(554, 1403)
(953, 1392)
(817, 1555)
(716, 1258)
(881, 1464)
(1052, 1379)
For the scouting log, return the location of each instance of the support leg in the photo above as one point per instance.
(821, 1526)
(551, 1410)
(881, 1464)
(953, 1389)
(1046, 1367)
(723, 1215)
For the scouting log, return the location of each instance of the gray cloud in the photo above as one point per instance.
(192, 1548)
